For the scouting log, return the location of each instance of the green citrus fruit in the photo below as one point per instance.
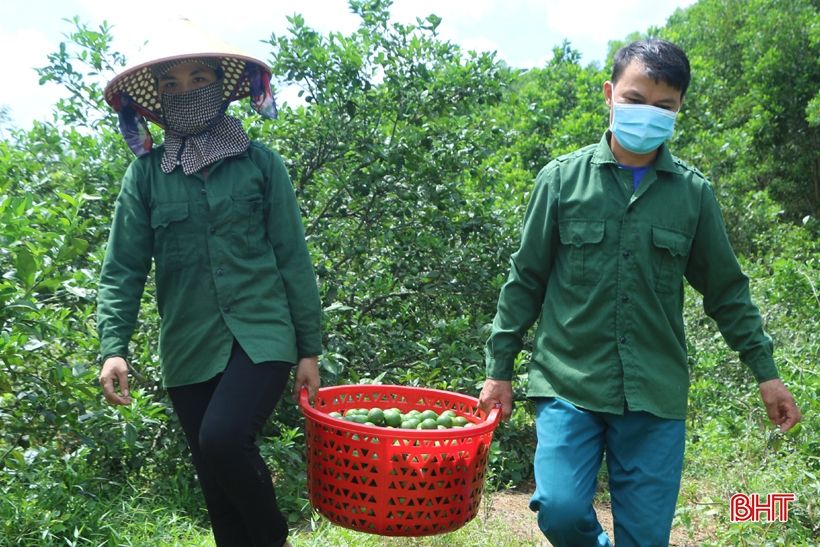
(429, 423)
(392, 417)
(376, 415)
(429, 415)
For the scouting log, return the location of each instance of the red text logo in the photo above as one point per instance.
(746, 507)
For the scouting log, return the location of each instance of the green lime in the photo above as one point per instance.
(392, 417)
(445, 420)
(429, 415)
(358, 418)
(429, 423)
(460, 421)
(410, 423)
(450, 412)
(376, 415)
(335, 414)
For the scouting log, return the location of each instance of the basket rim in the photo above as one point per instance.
(488, 425)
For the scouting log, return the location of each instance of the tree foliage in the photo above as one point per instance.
(412, 161)
(757, 67)
(379, 158)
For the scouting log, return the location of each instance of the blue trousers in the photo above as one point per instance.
(644, 456)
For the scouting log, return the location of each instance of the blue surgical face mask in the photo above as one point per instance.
(641, 128)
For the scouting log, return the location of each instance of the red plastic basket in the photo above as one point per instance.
(395, 482)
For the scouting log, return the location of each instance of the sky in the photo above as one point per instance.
(521, 32)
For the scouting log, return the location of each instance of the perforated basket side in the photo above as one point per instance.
(393, 481)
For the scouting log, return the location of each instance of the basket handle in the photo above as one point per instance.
(304, 400)
(495, 414)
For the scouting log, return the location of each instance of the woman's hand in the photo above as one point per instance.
(115, 369)
(307, 375)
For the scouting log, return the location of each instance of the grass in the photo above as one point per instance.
(482, 530)
(135, 524)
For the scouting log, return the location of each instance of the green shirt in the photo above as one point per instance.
(231, 262)
(601, 269)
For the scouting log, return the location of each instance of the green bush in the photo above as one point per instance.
(412, 161)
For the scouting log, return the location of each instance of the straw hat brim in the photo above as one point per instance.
(181, 41)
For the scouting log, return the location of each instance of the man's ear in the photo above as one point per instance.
(608, 86)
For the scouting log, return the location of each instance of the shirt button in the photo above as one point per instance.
(226, 309)
(211, 230)
(624, 299)
(203, 191)
(626, 254)
(220, 272)
(622, 340)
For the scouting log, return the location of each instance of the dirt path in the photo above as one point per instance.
(512, 508)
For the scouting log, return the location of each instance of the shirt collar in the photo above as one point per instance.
(663, 162)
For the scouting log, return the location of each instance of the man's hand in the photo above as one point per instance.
(780, 405)
(496, 391)
(115, 369)
(307, 375)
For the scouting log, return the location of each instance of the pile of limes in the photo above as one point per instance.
(395, 418)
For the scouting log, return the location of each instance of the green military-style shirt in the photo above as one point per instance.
(601, 270)
(230, 259)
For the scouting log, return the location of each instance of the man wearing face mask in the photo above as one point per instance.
(610, 233)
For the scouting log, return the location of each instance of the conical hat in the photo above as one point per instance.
(181, 40)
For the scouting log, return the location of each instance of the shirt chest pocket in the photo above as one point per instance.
(174, 242)
(671, 253)
(249, 218)
(581, 240)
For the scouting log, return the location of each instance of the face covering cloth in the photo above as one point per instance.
(197, 131)
(641, 128)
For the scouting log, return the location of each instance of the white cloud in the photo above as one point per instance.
(591, 24)
(452, 11)
(243, 26)
(21, 91)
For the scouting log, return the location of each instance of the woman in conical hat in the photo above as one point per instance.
(235, 288)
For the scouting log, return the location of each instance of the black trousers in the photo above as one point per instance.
(221, 419)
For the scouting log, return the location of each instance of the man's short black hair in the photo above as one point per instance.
(664, 61)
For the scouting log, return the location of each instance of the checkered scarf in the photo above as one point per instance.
(197, 131)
